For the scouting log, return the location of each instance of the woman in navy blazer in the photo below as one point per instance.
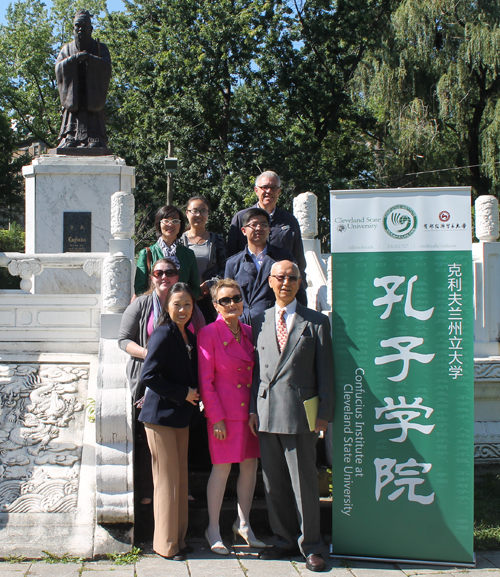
(169, 375)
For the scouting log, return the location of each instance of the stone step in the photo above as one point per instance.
(198, 513)
(198, 519)
(198, 483)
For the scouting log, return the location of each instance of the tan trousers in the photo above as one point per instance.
(169, 454)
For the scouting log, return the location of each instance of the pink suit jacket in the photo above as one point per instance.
(225, 369)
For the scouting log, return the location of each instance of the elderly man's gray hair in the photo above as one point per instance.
(269, 174)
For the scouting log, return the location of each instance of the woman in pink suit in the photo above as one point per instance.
(225, 366)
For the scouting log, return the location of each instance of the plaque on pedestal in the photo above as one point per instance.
(77, 232)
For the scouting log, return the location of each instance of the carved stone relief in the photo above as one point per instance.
(487, 218)
(41, 420)
(25, 268)
(489, 371)
(487, 452)
(305, 210)
(122, 214)
(92, 267)
(116, 285)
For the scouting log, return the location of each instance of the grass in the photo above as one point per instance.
(15, 558)
(91, 410)
(487, 513)
(125, 558)
(66, 558)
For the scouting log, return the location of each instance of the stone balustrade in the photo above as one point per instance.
(58, 356)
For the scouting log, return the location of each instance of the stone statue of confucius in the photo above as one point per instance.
(83, 71)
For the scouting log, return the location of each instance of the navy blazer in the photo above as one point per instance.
(168, 372)
(284, 232)
(257, 294)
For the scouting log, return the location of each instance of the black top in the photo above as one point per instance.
(167, 373)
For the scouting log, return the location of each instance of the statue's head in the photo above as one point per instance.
(82, 29)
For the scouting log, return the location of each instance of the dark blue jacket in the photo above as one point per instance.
(168, 372)
(284, 232)
(257, 294)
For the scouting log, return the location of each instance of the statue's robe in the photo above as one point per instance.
(83, 88)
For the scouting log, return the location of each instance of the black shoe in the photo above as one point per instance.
(177, 557)
(274, 552)
(315, 562)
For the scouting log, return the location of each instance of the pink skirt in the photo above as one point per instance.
(240, 444)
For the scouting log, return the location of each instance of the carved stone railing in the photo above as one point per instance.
(486, 267)
(27, 266)
(76, 334)
(305, 210)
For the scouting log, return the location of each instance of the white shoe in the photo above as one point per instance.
(217, 547)
(251, 542)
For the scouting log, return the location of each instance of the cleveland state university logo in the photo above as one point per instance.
(400, 221)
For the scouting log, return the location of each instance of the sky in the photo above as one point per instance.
(113, 6)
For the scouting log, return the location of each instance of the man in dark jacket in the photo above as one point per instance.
(284, 229)
(251, 267)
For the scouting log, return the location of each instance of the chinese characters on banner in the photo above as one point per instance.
(403, 345)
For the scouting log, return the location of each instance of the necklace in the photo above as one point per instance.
(202, 238)
(236, 333)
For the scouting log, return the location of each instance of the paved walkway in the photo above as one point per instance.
(242, 562)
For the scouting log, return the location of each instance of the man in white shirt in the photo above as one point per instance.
(294, 363)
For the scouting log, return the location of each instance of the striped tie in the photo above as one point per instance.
(281, 330)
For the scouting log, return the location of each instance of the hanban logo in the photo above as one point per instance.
(400, 221)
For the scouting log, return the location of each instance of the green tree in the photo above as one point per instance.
(434, 87)
(315, 132)
(28, 91)
(11, 181)
(179, 72)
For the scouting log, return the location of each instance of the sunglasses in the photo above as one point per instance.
(282, 278)
(169, 273)
(226, 301)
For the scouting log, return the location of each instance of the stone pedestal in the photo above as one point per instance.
(56, 185)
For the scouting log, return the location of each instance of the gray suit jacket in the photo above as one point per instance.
(304, 369)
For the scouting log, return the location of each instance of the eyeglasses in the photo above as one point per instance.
(262, 226)
(169, 273)
(173, 222)
(198, 212)
(226, 301)
(281, 278)
(271, 188)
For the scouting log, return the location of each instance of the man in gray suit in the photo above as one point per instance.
(294, 362)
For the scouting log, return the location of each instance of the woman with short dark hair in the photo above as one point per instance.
(169, 224)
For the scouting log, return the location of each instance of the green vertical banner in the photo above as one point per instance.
(402, 474)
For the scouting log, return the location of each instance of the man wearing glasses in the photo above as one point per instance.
(284, 229)
(251, 267)
(293, 364)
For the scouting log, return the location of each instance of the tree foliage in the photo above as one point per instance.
(434, 88)
(328, 93)
(11, 185)
(28, 92)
